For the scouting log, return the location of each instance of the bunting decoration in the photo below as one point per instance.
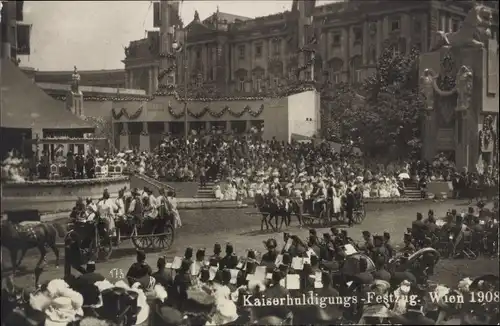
(123, 112)
(215, 114)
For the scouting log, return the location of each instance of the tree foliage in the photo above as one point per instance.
(386, 119)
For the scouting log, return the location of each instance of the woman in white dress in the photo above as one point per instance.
(106, 208)
(218, 192)
(172, 205)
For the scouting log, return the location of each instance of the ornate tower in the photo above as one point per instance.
(170, 22)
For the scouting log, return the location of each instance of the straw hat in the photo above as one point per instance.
(226, 313)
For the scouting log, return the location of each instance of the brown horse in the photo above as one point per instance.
(17, 237)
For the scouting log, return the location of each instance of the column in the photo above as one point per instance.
(166, 127)
(124, 137)
(228, 126)
(462, 149)
(248, 125)
(150, 84)
(144, 142)
(207, 126)
(131, 79)
(155, 79)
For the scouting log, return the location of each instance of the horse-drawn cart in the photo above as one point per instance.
(95, 242)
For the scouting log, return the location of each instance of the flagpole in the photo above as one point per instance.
(185, 64)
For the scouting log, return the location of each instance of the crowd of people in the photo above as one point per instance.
(318, 280)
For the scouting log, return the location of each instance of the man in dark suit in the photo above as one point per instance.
(350, 205)
(388, 245)
(216, 258)
(368, 245)
(274, 291)
(164, 278)
(269, 258)
(230, 261)
(379, 248)
(139, 271)
(418, 230)
(381, 273)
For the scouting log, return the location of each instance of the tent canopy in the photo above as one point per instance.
(25, 105)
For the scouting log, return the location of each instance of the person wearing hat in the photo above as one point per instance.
(215, 259)
(139, 271)
(368, 244)
(230, 260)
(414, 314)
(164, 278)
(380, 272)
(379, 248)
(182, 282)
(408, 245)
(269, 258)
(167, 316)
(387, 244)
(418, 230)
(136, 207)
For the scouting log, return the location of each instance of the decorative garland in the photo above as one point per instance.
(106, 98)
(487, 131)
(442, 92)
(123, 112)
(214, 114)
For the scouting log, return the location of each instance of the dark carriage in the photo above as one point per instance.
(95, 241)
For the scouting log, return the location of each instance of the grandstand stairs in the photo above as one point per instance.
(412, 191)
(207, 191)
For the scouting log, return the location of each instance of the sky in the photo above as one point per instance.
(91, 35)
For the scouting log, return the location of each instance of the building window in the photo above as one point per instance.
(358, 35)
(258, 50)
(455, 24)
(417, 26)
(199, 80)
(276, 47)
(335, 77)
(198, 54)
(357, 76)
(257, 84)
(395, 25)
(241, 85)
(337, 39)
(241, 52)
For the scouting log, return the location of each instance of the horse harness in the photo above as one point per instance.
(27, 230)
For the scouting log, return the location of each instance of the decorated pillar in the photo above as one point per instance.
(427, 89)
(144, 142)
(464, 87)
(124, 137)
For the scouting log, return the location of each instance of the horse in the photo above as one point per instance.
(17, 237)
(263, 205)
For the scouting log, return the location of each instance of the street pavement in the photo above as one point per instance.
(394, 218)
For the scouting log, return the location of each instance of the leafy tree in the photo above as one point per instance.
(387, 120)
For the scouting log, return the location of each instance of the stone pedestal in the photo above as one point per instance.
(124, 142)
(144, 143)
(74, 103)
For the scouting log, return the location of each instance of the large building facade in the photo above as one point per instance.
(237, 55)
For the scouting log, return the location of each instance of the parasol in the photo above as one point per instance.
(404, 176)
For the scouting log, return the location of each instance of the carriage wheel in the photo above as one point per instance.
(142, 242)
(165, 240)
(359, 215)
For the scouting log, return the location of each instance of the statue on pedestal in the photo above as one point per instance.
(474, 31)
(75, 85)
(464, 84)
(427, 87)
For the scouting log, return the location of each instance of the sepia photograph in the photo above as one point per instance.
(267, 162)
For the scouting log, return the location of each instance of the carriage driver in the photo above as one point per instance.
(136, 208)
(106, 208)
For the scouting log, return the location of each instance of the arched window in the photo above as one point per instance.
(356, 69)
(335, 66)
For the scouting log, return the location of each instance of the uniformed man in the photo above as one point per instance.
(379, 248)
(140, 271)
(269, 258)
(216, 258)
(136, 208)
(388, 245)
(368, 243)
(380, 272)
(408, 245)
(230, 260)
(418, 230)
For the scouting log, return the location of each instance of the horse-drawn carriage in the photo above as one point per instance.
(96, 242)
(326, 212)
